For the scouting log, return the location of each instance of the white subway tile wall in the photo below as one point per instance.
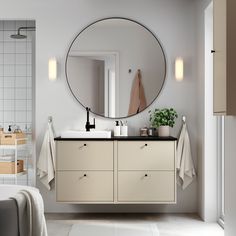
(16, 82)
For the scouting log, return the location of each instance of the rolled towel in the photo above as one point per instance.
(30, 213)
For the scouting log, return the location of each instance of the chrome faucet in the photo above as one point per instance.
(87, 125)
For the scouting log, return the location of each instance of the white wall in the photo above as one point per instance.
(200, 25)
(16, 76)
(58, 21)
(230, 176)
(209, 168)
(16, 79)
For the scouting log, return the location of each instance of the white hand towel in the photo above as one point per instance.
(46, 162)
(185, 165)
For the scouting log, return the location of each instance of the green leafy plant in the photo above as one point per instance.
(163, 117)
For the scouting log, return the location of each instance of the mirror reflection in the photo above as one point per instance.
(116, 67)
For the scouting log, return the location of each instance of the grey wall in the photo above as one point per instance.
(89, 88)
(58, 21)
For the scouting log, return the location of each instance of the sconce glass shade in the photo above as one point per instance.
(52, 69)
(179, 69)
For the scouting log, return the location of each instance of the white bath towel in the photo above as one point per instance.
(46, 161)
(185, 165)
(30, 213)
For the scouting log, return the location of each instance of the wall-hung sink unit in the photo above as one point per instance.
(92, 166)
(85, 134)
(133, 170)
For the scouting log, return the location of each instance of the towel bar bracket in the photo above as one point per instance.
(49, 119)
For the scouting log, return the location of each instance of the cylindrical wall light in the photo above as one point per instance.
(52, 68)
(179, 69)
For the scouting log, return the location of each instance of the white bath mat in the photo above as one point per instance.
(114, 229)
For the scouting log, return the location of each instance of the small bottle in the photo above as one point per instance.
(150, 131)
(144, 132)
(117, 129)
(124, 129)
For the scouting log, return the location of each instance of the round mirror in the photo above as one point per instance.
(116, 67)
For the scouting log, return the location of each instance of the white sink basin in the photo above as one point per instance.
(84, 134)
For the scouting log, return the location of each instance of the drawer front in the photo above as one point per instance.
(85, 155)
(157, 186)
(149, 155)
(73, 186)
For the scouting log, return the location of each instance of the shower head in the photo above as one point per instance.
(18, 36)
(21, 36)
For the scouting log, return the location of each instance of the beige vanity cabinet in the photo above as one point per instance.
(146, 171)
(84, 171)
(116, 171)
(224, 38)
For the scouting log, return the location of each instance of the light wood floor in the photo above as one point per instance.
(168, 224)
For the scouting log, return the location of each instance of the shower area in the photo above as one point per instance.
(17, 76)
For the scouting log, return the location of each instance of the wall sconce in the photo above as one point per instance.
(52, 68)
(179, 69)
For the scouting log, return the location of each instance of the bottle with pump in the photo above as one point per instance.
(124, 129)
(9, 128)
(117, 129)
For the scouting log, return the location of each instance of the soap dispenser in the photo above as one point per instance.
(117, 129)
(9, 128)
(124, 129)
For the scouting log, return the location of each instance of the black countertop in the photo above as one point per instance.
(128, 138)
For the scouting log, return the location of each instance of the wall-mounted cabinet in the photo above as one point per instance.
(131, 171)
(224, 38)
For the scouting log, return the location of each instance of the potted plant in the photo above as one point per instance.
(163, 119)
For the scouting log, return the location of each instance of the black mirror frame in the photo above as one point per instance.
(123, 18)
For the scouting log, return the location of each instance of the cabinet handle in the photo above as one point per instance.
(145, 145)
(84, 145)
(83, 176)
(146, 175)
(213, 51)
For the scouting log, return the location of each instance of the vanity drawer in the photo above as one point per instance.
(74, 186)
(85, 155)
(146, 155)
(146, 186)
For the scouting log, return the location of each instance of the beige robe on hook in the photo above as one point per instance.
(137, 97)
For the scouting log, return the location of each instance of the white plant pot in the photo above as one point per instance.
(164, 131)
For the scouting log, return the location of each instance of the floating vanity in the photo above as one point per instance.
(118, 170)
(93, 167)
